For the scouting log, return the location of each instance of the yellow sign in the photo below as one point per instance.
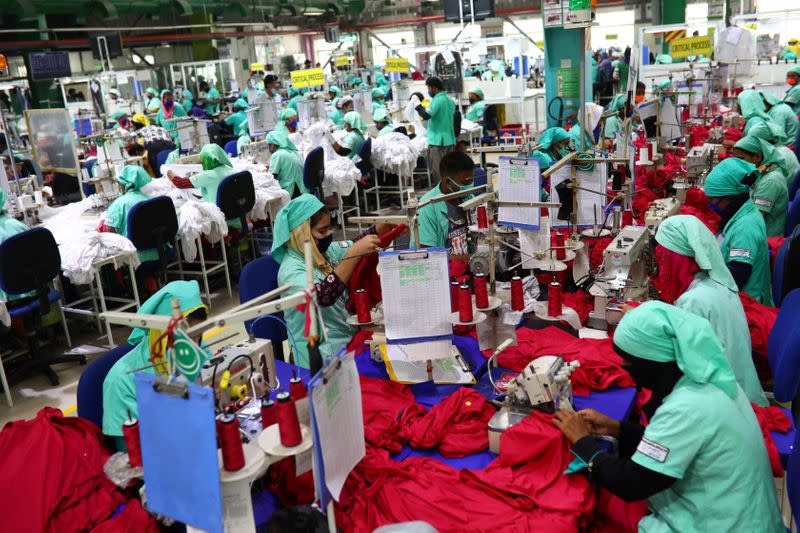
(342, 61)
(307, 78)
(255, 67)
(396, 65)
(693, 46)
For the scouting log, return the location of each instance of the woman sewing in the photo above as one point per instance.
(701, 462)
(216, 167)
(306, 219)
(285, 163)
(132, 178)
(356, 128)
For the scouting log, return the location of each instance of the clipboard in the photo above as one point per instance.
(179, 451)
(519, 180)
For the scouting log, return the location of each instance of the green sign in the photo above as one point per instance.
(568, 82)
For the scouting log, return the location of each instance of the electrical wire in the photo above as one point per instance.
(279, 320)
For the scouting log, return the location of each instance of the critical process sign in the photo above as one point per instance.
(307, 78)
(693, 46)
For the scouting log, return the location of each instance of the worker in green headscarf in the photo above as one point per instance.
(287, 121)
(334, 92)
(168, 113)
(497, 70)
(341, 107)
(663, 59)
(773, 134)
(188, 101)
(382, 122)
(770, 194)
(613, 125)
(119, 388)
(216, 167)
(377, 99)
(701, 462)
(295, 96)
(699, 282)
(152, 102)
(242, 132)
(744, 235)
(132, 178)
(306, 219)
(356, 82)
(792, 97)
(782, 115)
(285, 163)
(356, 129)
(10, 226)
(574, 135)
(236, 118)
(751, 106)
(477, 106)
(554, 144)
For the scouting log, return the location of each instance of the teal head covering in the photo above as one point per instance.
(291, 216)
(752, 105)
(213, 156)
(335, 90)
(293, 92)
(664, 85)
(477, 92)
(3, 199)
(795, 69)
(768, 131)
(240, 104)
(187, 293)
(380, 115)
(663, 333)
(187, 94)
(687, 235)
(133, 178)
(118, 114)
(163, 92)
(663, 59)
(617, 103)
(287, 114)
(152, 91)
(770, 155)
(355, 121)
(770, 98)
(551, 136)
(727, 178)
(377, 94)
(242, 128)
(281, 140)
(357, 81)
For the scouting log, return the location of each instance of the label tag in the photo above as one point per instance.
(653, 450)
(739, 252)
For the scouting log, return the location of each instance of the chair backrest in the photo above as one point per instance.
(152, 223)
(29, 261)
(314, 170)
(365, 154)
(777, 273)
(259, 277)
(793, 478)
(786, 269)
(490, 120)
(161, 158)
(793, 217)
(236, 195)
(783, 348)
(794, 185)
(231, 148)
(90, 384)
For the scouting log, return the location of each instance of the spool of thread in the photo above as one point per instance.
(362, 306)
(481, 291)
(558, 244)
(288, 423)
(130, 430)
(454, 296)
(517, 297)
(654, 149)
(482, 221)
(230, 442)
(269, 413)
(554, 299)
(297, 389)
(644, 158)
(465, 304)
(649, 147)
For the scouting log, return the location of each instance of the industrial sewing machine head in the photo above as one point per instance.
(699, 162)
(543, 385)
(659, 210)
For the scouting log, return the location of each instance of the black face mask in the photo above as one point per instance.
(659, 378)
(324, 244)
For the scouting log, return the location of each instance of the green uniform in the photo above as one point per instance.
(236, 118)
(9, 227)
(792, 164)
(783, 115)
(745, 240)
(623, 69)
(475, 111)
(243, 140)
(187, 101)
(770, 195)
(287, 166)
(353, 141)
(170, 124)
(442, 225)
(212, 101)
(792, 98)
(208, 181)
(613, 126)
(293, 102)
(337, 117)
(386, 130)
(117, 218)
(153, 105)
(440, 126)
(377, 105)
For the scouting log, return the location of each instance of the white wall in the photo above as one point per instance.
(614, 28)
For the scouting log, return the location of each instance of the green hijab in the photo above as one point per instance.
(133, 178)
(617, 103)
(281, 140)
(770, 98)
(152, 91)
(477, 92)
(380, 115)
(795, 69)
(291, 216)
(356, 81)
(287, 114)
(752, 105)
(663, 333)
(163, 92)
(187, 94)
(377, 94)
(768, 131)
(551, 136)
(243, 128)
(687, 235)
(213, 156)
(335, 90)
(726, 178)
(770, 155)
(240, 104)
(3, 200)
(118, 114)
(355, 121)
(187, 293)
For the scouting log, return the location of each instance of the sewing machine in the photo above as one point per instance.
(622, 276)
(239, 359)
(659, 210)
(699, 162)
(256, 152)
(543, 385)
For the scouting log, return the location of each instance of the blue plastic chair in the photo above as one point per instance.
(161, 158)
(794, 185)
(793, 479)
(260, 277)
(90, 385)
(231, 148)
(793, 218)
(783, 348)
(88, 188)
(777, 273)
(153, 224)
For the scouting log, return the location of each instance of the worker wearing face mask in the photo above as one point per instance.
(152, 103)
(377, 99)
(306, 219)
(341, 106)
(770, 194)
(168, 113)
(351, 144)
(782, 115)
(554, 144)
(792, 98)
(743, 235)
(774, 135)
(476, 106)
(441, 124)
(444, 224)
(382, 122)
(287, 121)
(285, 163)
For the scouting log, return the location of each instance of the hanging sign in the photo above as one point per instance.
(307, 78)
(693, 46)
(396, 64)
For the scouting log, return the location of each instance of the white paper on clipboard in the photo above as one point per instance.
(519, 180)
(670, 127)
(416, 294)
(403, 369)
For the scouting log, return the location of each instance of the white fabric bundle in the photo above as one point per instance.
(412, 117)
(420, 143)
(341, 175)
(165, 187)
(395, 153)
(197, 218)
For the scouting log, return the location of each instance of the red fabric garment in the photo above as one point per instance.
(732, 134)
(182, 183)
(458, 269)
(697, 204)
(615, 515)
(760, 319)
(365, 275)
(457, 425)
(675, 273)
(644, 197)
(774, 244)
(581, 302)
(772, 419)
(132, 519)
(596, 247)
(290, 489)
(698, 135)
(52, 472)
(387, 406)
(359, 339)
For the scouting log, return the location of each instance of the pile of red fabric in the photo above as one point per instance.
(644, 197)
(595, 249)
(387, 407)
(698, 135)
(697, 204)
(580, 301)
(53, 475)
(290, 489)
(772, 419)
(365, 275)
(760, 319)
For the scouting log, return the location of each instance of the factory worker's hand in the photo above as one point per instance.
(571, 425)
(364, 245)
(599, 424)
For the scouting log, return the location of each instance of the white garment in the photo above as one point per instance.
(395, 153)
